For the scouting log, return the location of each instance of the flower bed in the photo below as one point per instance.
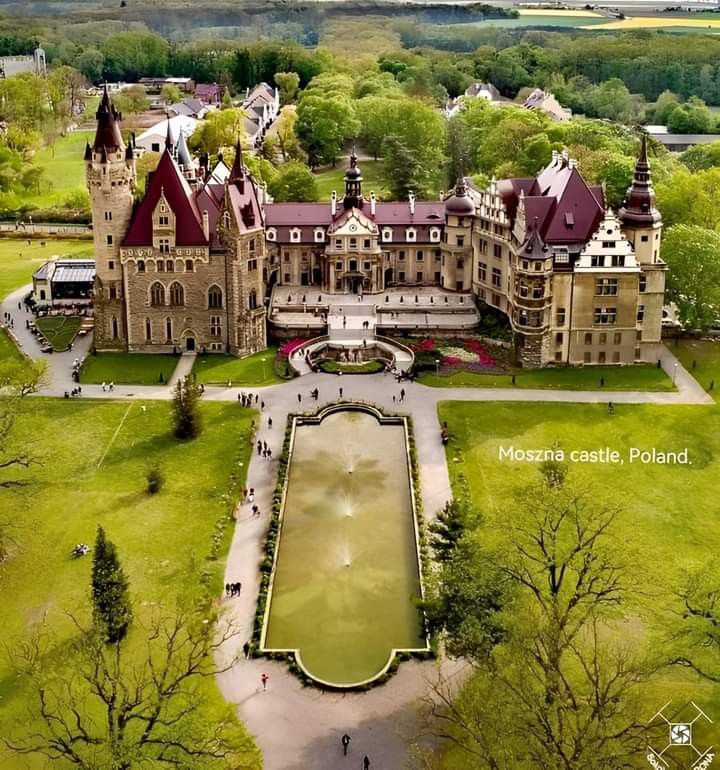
(452, 355)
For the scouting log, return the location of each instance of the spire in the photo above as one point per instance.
(353, 184)
(168, 135)
(639, 205)
(107, 133)
(238, 167)
(183, 153)
(88, 151)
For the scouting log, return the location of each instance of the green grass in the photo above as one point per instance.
(367, 367)
(128, 368)
(64, 170)
(332, 179)
(19, 260)
(637, 377)
(219, 369)
(706, 355)
(670, 515)
(92, 459)
(59, 331)
(9, 350)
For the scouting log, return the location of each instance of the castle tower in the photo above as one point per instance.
(642, 226)
(110, 174)
(639, 217)
(456, 271)
(353, 184)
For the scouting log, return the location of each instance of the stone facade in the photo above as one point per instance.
(191, 266)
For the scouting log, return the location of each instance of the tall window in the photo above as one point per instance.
(189, 266)
(215, 326)
(177, 294)
(141, 266)
(157, 294)
(164, 245)
(115, 334)
(148, 330)
(168, 329)
(252, 299)
(215, 297)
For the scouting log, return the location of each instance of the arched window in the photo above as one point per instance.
(148, 330)
(215, 297)
(226, 220)
(189, 266)
(168, 329)
(177, 294)
(141, 265)
(114, 328)
(252, 299)
(157, 294)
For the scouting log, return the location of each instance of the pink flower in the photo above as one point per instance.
(451, 361)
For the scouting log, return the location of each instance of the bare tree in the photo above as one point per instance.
(558, 690)
(111, 707)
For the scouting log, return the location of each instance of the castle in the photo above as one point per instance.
(193, 264)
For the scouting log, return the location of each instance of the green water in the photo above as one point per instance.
(347, 567)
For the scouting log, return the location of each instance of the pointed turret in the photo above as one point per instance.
(168, 136)
(183, 153)
(238, 167)
(460, 203)
(88, 151)
(639, 209)
(108, 125)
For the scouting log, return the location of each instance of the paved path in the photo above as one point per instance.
(299, 728)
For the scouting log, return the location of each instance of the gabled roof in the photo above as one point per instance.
(168, 181)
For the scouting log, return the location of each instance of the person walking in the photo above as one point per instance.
(340, 390)
(259, 446)
(366, 762)
(345, 740)
(264, 679)
(246, 650)
(269, 422)
(402, 394)
(299, 398)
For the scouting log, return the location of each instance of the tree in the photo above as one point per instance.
(693, 257)
(289, 84)
(665, 104)
(112, 612)
(378, 116)
(556, 690)
(323, 125)
(227, 102)
(132, 55)
(90, 62)
(221, 128)
(702, 156)
(287, 140)
(170, 93)
(414, 153)
(294, 182)
(66, 87)
(132, 100)
(186, 409)
(113, 706)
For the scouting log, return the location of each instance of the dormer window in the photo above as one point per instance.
(410, 234)
(271, 234)
(319, 235)
(295, 234)
(163, 220)
(434, 234)
(387, 234)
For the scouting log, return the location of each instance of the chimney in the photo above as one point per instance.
(372, 203)
(565, 157)
(555, 156)
(333, 203)
(572, 163)
(411, 198)
(206, 224)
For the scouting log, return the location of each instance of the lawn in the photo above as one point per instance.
(128, 368)
(91, 463)
(706, 355)
(59, 331)
(670, 517)
(638, 377)
(20, 259)
(64, 170)
(218, 369)
(8, 349)
(332, 179)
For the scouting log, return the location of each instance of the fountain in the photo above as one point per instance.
(343, 631)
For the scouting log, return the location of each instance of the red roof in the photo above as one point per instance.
(559, 201)
(168, 181)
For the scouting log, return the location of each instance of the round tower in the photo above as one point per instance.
(456, 271)
(110, 174)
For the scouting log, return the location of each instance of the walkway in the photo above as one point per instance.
(299, 728)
